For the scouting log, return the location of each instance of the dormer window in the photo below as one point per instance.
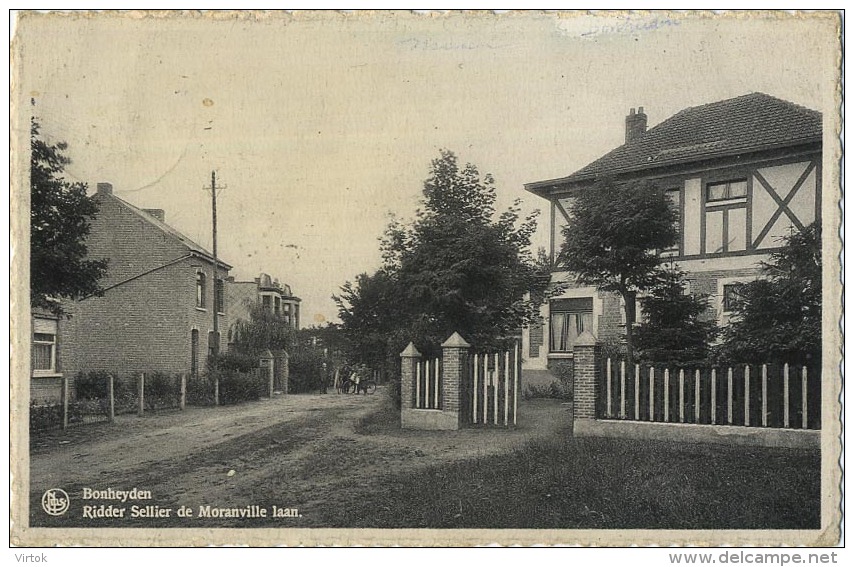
(201, 291)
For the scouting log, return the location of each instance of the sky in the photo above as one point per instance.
(320, 126)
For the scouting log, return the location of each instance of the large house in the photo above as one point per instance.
(156, 312)
(742, 173)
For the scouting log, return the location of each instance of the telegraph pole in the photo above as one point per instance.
(216, 287)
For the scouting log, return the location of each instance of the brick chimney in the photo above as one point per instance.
(635, 124)
(105, 188)
(159, 214)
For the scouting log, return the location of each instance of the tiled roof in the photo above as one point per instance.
(170, 231)
(746, 123)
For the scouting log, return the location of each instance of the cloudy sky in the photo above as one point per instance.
(321, 125)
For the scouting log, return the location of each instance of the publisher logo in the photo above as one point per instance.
(55, 502)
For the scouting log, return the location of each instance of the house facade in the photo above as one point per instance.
(156, 313)
(265, 291)
(741, 174)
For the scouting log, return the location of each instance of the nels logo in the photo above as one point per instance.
(55, 502)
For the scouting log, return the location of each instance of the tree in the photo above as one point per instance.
(612, 238)
(264, 330)
(372, 320)
(60, 213)
(674, 330)
(778, 317)
(458, 266)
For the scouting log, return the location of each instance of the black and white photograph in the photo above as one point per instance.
(395, 278)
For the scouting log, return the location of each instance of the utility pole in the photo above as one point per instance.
(216, 287)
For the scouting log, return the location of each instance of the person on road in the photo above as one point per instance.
(355, 379)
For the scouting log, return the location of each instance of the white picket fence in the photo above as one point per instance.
(493, 395)
(428, 384)
(759, 396)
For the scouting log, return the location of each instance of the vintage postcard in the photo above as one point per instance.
(426, 279)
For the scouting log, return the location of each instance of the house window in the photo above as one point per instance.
(726, 216)
(731, 296)
(725, 190)
(201, 300)
(278, 305)
(569, 318)
(44, 347)
(219, 296)
(266, 302)
(673, 197)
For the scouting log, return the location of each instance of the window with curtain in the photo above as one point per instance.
(569, 318)
(200, 290)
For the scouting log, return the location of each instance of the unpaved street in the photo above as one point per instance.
(301, 453)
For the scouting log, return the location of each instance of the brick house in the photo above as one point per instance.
(268, 292)
(156, 311)
(742, 173)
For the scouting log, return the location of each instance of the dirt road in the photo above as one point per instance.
(301, 454)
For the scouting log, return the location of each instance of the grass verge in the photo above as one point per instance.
(598, 483)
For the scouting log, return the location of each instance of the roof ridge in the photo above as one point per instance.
(167, 229)
(752, 120)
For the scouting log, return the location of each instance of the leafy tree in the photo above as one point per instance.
(778, 318)
(611, 239)
(372, 320)
(676, 328)
(60, 213)
(263, 330)
(458, 266)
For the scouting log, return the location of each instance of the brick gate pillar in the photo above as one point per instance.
(454, 358)
(585, 375)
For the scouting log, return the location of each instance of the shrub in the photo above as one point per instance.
(305, 370)
(200, 391)
(92, 385)
(45, 416)
(162, 390)
(234, 361)
(236, 387)
(562, 370)
(556, 390)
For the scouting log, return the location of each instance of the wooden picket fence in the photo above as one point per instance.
(768, 395)
(492, 392)
(428, 384)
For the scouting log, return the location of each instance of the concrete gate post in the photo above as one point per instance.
(409, 358)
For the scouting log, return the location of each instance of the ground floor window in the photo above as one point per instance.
(731, 296)
(568, 319)
(43, 355)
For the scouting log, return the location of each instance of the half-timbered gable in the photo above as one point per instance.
(741, 173)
